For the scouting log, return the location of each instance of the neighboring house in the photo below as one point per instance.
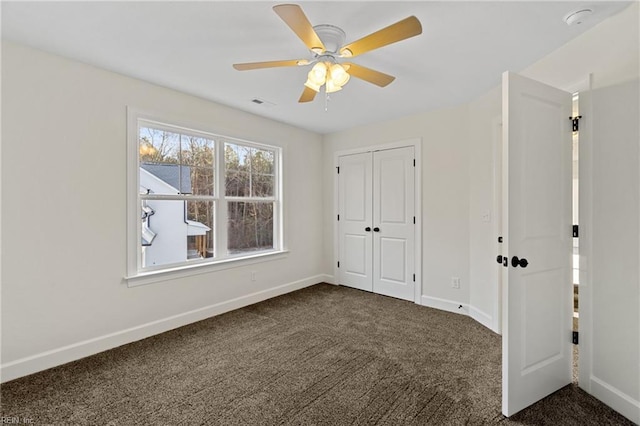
(167, 234)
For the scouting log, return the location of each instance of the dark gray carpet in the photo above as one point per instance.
(325, 355)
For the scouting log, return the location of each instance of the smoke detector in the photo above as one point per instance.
(577, 17)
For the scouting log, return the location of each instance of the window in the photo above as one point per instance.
(198, 198)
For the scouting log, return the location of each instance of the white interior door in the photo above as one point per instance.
(393, 220)
(355, 200)
(536, 345)
(376, 229)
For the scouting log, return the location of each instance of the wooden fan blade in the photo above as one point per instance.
(401, 30)
(269, 64)
(294, 17)
(307, 95)
(367, 74)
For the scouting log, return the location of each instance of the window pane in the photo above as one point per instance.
(262, 185)
(236, 157)
(159, 146)
(237, 184)
(169, 228)
(250, 226)
(262, 179)
(197, 156)
(200, 229)
(201, 179)
(237, 170)
(249, 171)
(262, 161)
(160, 169)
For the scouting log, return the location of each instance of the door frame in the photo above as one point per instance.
(416, 143)
(585, 209)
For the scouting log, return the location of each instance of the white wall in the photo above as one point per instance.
(612, 247)
(445, 195)
(64, 213)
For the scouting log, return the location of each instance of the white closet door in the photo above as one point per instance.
(355, 210)
(393, 223)
(537, 288)
(376, 227)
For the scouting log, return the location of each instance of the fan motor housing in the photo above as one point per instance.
(331, 36)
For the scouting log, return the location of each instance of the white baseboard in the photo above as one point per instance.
(329, 279)
(42, 361)
(458, 308)
(482, 317)
(616, 399)
(445, 305)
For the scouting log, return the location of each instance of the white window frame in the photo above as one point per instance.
(138, 275)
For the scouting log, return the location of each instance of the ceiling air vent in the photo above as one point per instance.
(262, 102)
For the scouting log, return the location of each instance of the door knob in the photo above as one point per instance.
(376, 229)
(368, 228)
(515, 262)
(499, 259)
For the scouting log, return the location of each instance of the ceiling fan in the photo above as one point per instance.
(326, 43)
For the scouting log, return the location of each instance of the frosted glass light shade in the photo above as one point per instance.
(318, 73)
(331, 87)
(339, 76)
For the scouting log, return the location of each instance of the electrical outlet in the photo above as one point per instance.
(253, 275)
(455, 282)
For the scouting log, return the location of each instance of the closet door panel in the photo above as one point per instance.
(393, 218)
(355, 211)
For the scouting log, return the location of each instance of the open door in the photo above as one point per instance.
(537, 235)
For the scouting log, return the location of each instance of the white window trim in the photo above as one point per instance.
(136, 276)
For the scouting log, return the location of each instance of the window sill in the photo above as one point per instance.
(144, 278)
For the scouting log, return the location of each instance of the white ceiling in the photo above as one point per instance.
(190, 46)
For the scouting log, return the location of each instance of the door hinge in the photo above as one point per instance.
(414, 162)
(338, 168)
(338, 217)
(575, 122)
(414, 277)
(414, 220)
(574, 338)
(576, 231)
(338, 263)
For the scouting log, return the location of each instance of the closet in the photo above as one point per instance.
(376, 221)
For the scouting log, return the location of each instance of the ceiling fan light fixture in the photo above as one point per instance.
(326, 42)
(331, 86)
(318, 73)
(338, 75)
